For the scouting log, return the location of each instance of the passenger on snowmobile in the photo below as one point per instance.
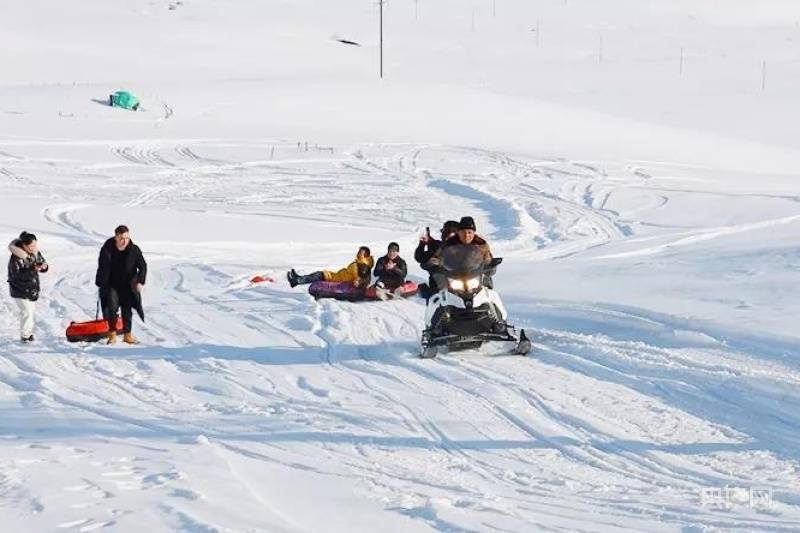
(429, 245)
(466, 313)
(426, 249)
(391, 269)
(357, 272)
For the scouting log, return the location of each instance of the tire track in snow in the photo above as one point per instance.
(600, 446)
(62, 215)
(702, 236)
(192, 156)
(140, 155)
(438, 437)
(502, 214)
(410, 417)
(649, 470)
(11, 176)
(534, 217)
(450, 445)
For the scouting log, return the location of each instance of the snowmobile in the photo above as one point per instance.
(467, 312)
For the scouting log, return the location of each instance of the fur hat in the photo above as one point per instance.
(466, 223)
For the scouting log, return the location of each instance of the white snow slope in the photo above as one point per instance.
(634, 162)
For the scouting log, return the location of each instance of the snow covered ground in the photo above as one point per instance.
(621, 156)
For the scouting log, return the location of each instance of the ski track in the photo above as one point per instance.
(591, 430)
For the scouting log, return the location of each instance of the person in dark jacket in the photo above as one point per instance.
(390, 270)
(426, 249)
(24, 266)
(121, 275)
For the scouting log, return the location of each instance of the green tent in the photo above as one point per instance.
(124, 99)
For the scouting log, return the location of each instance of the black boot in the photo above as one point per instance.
(308, 278)
(291, 276)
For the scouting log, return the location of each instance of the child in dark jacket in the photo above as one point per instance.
(390, 272)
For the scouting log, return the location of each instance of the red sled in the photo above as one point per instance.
(91, 331)
(346, 291)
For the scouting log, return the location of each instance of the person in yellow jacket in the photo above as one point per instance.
(357, 272)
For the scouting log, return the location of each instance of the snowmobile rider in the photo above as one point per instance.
(466, 235)
(357, 272)
(426, 249)
(391, 269)
(121, 274)
(24, 266)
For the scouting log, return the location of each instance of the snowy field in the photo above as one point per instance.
(634, 162)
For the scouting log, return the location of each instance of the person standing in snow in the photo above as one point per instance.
(391, 269)
(24, 266)
(357, 272)
(121, 275)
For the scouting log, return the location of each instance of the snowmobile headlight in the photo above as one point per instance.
(456, 284)
(472, 283)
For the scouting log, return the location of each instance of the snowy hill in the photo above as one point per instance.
(634, 163)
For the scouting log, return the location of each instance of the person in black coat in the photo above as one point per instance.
(391, 269)
(24, 266)
(427, 248)
(121, 275)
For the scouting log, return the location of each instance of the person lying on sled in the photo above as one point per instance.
(357, 272)
(391, 269)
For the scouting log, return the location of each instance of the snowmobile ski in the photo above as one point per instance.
(524, 345)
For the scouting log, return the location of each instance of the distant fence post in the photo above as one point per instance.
(380, 36)
(600, 50)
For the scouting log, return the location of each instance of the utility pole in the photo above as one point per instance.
(380, 36)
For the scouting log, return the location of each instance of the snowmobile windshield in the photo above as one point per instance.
(462, 259)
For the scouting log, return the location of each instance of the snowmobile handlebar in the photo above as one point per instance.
(440, 269)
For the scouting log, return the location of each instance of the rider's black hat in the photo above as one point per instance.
(466, 223)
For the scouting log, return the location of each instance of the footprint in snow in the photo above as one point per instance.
(305, 385)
